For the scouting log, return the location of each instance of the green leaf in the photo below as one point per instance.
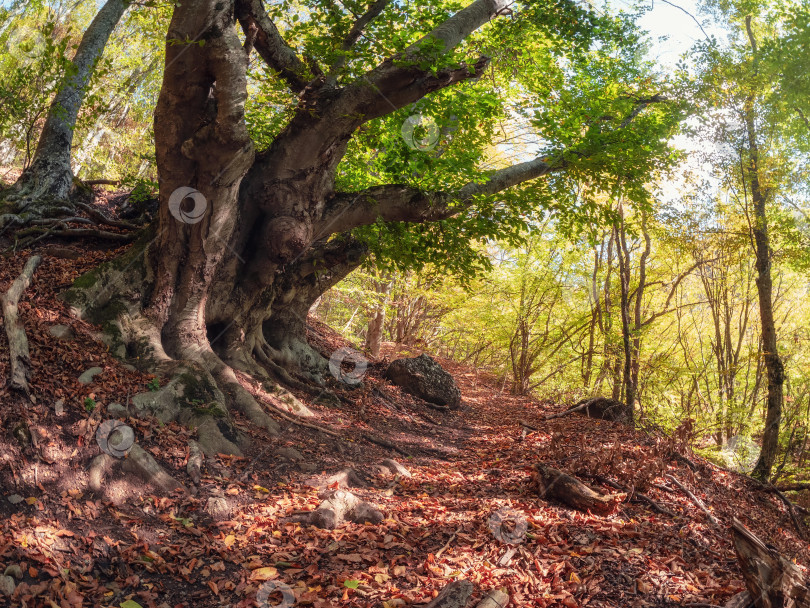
(351, 584)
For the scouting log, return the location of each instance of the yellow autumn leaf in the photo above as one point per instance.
(264, 574)
(574, 578)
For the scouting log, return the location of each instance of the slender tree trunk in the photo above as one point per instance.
(377, 322)
(49, 177)
(624, 275)
(774, 367)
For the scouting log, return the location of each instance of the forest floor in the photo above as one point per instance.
(131, 546)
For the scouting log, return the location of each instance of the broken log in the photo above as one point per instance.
(772, 580)
(601, 408)
(17, 340)
(340, 506)
(454, 595)
(494, 599)
(571, 491)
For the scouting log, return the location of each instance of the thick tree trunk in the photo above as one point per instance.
(245, 242)
(49, 177)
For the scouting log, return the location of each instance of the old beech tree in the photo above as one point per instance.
(222, 284)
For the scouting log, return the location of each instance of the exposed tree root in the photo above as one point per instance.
(17, 340)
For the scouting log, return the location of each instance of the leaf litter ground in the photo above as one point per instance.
(131, 546)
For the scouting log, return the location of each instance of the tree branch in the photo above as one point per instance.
(399, 80)
(399, 203)
(354, 34)
(271, 46)
(357, 29)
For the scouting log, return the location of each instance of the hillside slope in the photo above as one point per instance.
(74, 546)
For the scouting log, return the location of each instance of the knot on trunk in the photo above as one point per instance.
(285, 238)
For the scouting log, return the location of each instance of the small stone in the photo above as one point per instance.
(307, 467)
(87, 377)
(396, 468)
(14, 570)
(195, 460)
(129, 367)
(7, 585)
(59, 407)
(15, 499)
(62, 332)
(290, 454)
(116, 410)
(218, 508)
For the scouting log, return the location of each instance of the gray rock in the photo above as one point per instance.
(141, 463)
(7, 585)
(15, 499)
(289, 454)
(14, 570)
(424, 378)
(61, 332)
(218, 508)
(394, 467)
(116, 410)
(87, 377)
(59, 407)
(195, 459)
(307, 467)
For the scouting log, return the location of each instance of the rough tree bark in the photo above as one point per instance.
(49, 178)
(774, 367)
(246, 241)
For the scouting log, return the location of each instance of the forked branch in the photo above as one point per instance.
(271, 46)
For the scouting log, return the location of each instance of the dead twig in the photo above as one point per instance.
(698, 503)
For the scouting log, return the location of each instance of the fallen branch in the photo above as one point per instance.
(99, 217)
(101, 182)
(385, 443)
(699, 503)
(17, 340)
(617, 486)
(446, 545)
(77, 233)
(573, 492)
(560, 414)
(277, 412)
(791, 508)
(793, 487)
